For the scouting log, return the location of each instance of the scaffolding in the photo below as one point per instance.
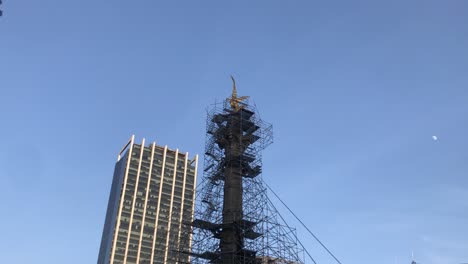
(234, 221)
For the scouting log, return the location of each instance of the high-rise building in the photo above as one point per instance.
(150, 206)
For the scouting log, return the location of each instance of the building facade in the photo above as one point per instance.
(150, 206)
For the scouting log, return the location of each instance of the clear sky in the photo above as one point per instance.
(355, 90)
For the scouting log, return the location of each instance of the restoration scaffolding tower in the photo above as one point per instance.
(235, 221)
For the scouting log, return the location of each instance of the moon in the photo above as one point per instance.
(435, 138)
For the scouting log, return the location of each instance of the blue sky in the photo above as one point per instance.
(355, 91)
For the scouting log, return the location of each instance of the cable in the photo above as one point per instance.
(297, 218)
